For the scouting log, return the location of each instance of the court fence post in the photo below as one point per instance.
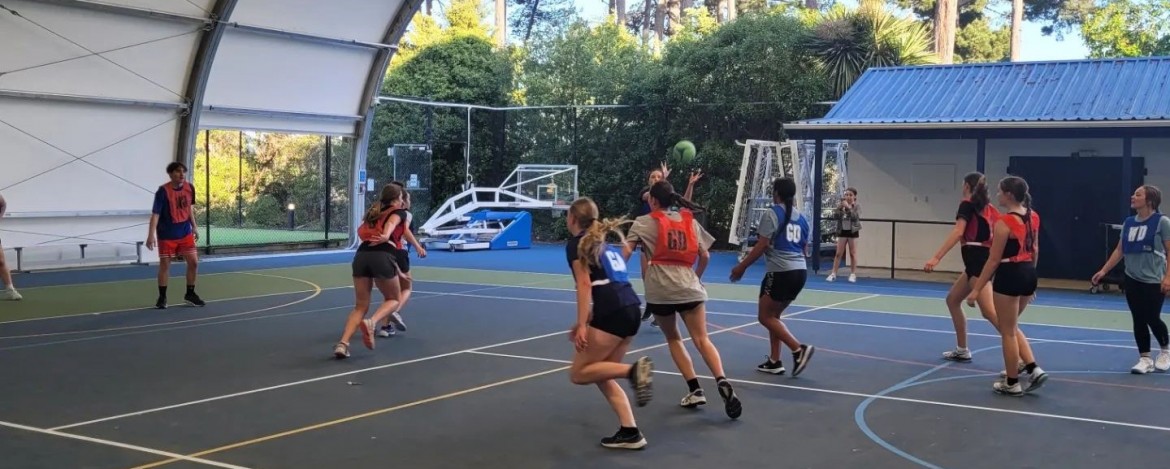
(893, 247)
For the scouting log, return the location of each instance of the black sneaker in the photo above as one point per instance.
(643, 381)
(193, 299)
(772, 367)
(802, 358)
(622, 440)
(731, 403)
(161, 303)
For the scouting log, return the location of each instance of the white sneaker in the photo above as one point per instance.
(694, 399)
(831, 278)
(1003, 388)
(852, 278)
(10, 294)
(1163, 361)
(1143, 366)
(1036, 379)
(959, 355)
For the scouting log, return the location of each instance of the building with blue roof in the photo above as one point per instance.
(1084, 134)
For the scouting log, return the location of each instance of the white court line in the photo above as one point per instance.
(977, 334)
(883, 397)
(880, 293)
(842, 323)
(116, 444)
(305, 381)
(389, 365)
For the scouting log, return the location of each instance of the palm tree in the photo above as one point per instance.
(847, 42)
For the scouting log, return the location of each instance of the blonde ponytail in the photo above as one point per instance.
(595, 236)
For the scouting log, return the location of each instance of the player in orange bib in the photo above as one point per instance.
(1015, 248)
(374, 265)
(673, 241)
(173, 229)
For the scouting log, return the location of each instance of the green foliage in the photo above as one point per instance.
(1128, 28)
(982, 35)
(849, 41)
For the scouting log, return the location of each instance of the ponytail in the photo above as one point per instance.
(785, 190)
(978, 184)
(686, 203)
(374, 213)
(589, 247)
(390, 194)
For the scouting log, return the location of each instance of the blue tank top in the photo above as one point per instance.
(1138, 237)
(793, 237)
(610, 278)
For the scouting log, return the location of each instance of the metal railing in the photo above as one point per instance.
(893, 243)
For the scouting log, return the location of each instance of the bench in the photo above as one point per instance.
(88, 254)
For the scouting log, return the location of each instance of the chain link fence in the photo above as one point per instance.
(262, 189)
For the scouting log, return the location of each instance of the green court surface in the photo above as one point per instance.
(66, 300)
(227, 236)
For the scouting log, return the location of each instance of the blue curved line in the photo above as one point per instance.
(859, 413)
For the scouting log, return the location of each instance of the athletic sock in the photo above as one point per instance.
(633, 372)
(1030, 367)
(693, 384)
(1012, 381)
(162, 292)
(190, 289)
(720, 379)
(627, 431)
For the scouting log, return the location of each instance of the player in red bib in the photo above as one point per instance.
(674, 242)
(173, 229)
(374, 265)
(1015, 248)
(399, 238)
(973, 228)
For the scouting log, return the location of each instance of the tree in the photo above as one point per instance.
(1017, 27)
(541, 17)
(849, 41)
(1128, 28)
(981, 35)
(946, 19)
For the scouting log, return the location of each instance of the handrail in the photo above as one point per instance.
(894, 234)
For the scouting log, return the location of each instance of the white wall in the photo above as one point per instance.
(922, 180)
(100, 54)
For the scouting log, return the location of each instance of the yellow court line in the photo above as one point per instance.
(316, 289)
(353, 417)
(450, 395)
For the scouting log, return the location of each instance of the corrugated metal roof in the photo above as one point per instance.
(1136, 89)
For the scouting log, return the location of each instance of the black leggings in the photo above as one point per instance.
(1145, 305)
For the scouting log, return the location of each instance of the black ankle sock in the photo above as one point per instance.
(720, 379)
(1012, 381)
(693, 384)
(190, 289)
(633, 372)
(162, 292)
(1030, 367)
(628, 431)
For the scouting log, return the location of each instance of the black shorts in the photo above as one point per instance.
(622, 322)
(374, 264)
(402, 259)
(659, 309)
(1015, 279)
(783, 286)
(974, 258)
(848, 234)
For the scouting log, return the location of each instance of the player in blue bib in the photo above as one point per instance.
(608, 316)
(1145, 240)
(784, 239)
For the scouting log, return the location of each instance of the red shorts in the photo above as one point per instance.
(176, 247)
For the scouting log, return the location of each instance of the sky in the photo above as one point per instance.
(1035, 46)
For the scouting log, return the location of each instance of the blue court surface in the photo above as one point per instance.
(479, 378)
